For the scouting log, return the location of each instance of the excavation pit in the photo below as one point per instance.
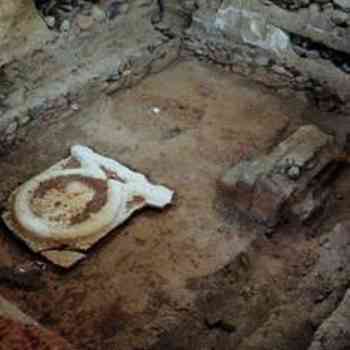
(138, 279)
(180, 92)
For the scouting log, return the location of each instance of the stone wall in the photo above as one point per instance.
(304, 42)
(291, 45)
(106, 49)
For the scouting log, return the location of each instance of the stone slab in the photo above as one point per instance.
(292, 178)
(64, 211)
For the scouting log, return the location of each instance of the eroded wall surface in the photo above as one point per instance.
(90, 55)
(294, 45)
(305, 41)
(21, 29)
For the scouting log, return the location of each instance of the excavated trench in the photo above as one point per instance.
(156, 89)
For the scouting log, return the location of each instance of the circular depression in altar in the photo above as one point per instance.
(65, 210)
(66, 207)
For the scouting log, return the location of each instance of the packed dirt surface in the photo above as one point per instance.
(17, 336)
(183, 128)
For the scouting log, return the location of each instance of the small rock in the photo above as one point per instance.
(27, 276)
(10, 137)
(324, 240)
(85, 22)
(141, 236)
(262, 61)
(98, 14)
(300, 79)
(11, 128)
(339, 196)
(282, 71)
(339, 17)
(315, 10)
(343, 4)
(75, 107)
(17, 97)
(269, 232)
(346, 67)
(228, 325)
(313, 54)
(156, 110)
(327, 245)
(293, 172)
(50, 21)
(124, 8)
(212, 320)
(115, 8)
(65, 26)
(23, 120)
(328, 7)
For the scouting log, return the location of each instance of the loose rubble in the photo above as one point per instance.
(26, 276)
(334, 333)
(332, 272)
(86, 49)
(302, 37)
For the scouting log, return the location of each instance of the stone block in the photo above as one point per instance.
(291, 180)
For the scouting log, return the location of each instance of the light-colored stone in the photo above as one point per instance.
(251, 28)
(50, 21)
(260, 27)
(63, 258)
(77, 202)
(340, 17)
(65, 26)
(343, 4)
(85, 22)
(98, 14)
(12, 128)
(294, 172)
